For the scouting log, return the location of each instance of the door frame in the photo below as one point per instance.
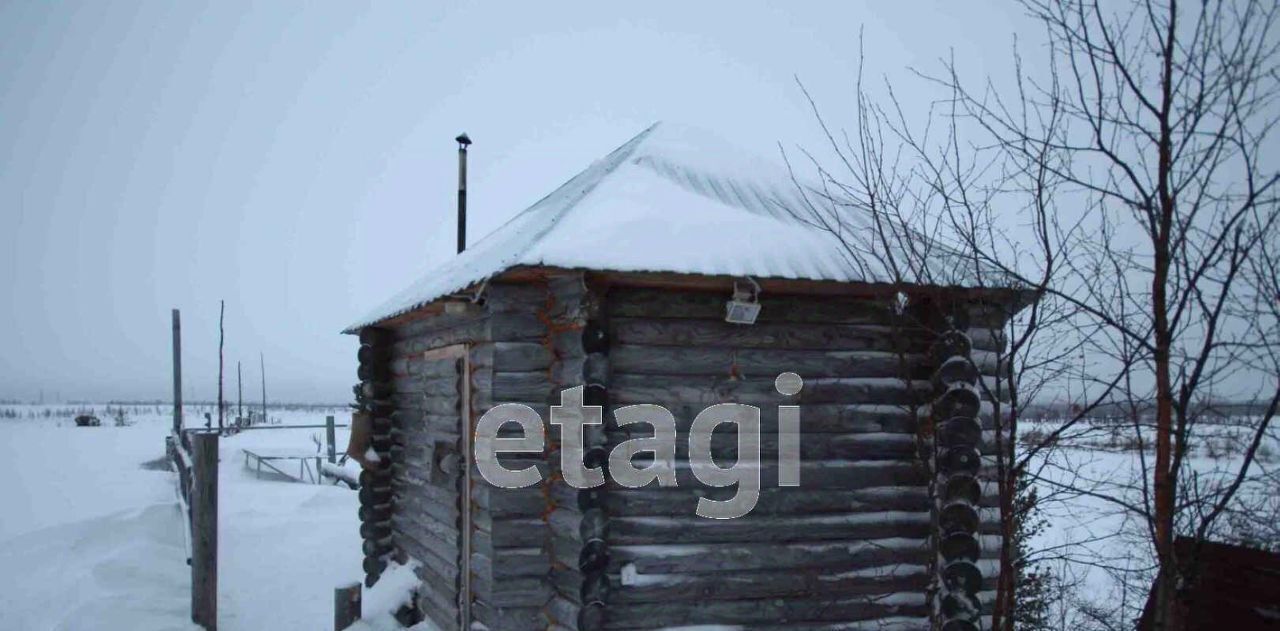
(462, 352)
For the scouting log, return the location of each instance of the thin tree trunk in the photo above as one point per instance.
(1165, 478)
(1002, 620)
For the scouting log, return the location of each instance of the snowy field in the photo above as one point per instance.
(1092, 543)
(92, 537)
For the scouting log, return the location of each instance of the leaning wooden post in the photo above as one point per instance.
(177, 372)
(204, 531)
(346, 606)
(330, 437)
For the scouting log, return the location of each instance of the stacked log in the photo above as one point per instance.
(850, 545)
(578, 520)
(373, 409)
(510, 558)
(957, 463)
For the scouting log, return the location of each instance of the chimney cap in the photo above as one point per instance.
(463, 139)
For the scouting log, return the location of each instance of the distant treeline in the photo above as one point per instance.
(289, 406)
(1221, 409)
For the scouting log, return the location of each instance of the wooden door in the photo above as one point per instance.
(461, 356)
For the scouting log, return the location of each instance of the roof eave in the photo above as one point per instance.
(1016, 298)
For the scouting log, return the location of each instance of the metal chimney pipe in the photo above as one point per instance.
(463, 141)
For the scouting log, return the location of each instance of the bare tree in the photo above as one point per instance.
(924, 210)
(1137, 160)
(1166, 112)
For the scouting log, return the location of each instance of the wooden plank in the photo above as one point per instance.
(408, 344)
(508, 618)
(439, 322)
(706, 333)
(909, 574)
(465, 522)
(811, 309)
(703, 390)
(763, 362)
(514, 386)
(453, 351)
(417, 366)
(519, 591)
(833, 474)
(427, 531)
(813, 447)
(511, 562)
(844, 418)
(710, 559)
(437, 598)
(518, 533)
(688, 528)
(500, 503)
(773, 501)
(774, 528)
(437, 572)
(653, 303)
(503, 356)
(752, 612)
(787, 286)
(509, 297)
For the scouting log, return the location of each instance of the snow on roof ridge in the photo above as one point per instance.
(675, 199)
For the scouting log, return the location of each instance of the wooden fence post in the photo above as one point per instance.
(331, 437)
(346, 606)
(177, 372)
(262, 370)
(204, 531)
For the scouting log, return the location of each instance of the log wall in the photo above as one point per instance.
(372, 407)
(511, 560)
(577, 519)
(852, 543)
(865, 538)
(961, 420)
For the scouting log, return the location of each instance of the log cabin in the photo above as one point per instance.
(625, 281)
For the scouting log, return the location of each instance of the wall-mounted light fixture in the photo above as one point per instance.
(744, 306)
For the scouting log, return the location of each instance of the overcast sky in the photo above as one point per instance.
(298, 160)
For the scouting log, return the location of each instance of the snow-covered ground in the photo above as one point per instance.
(1091, 541)
(92, 538)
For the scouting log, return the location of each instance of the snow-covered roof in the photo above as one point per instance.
(673, 199)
